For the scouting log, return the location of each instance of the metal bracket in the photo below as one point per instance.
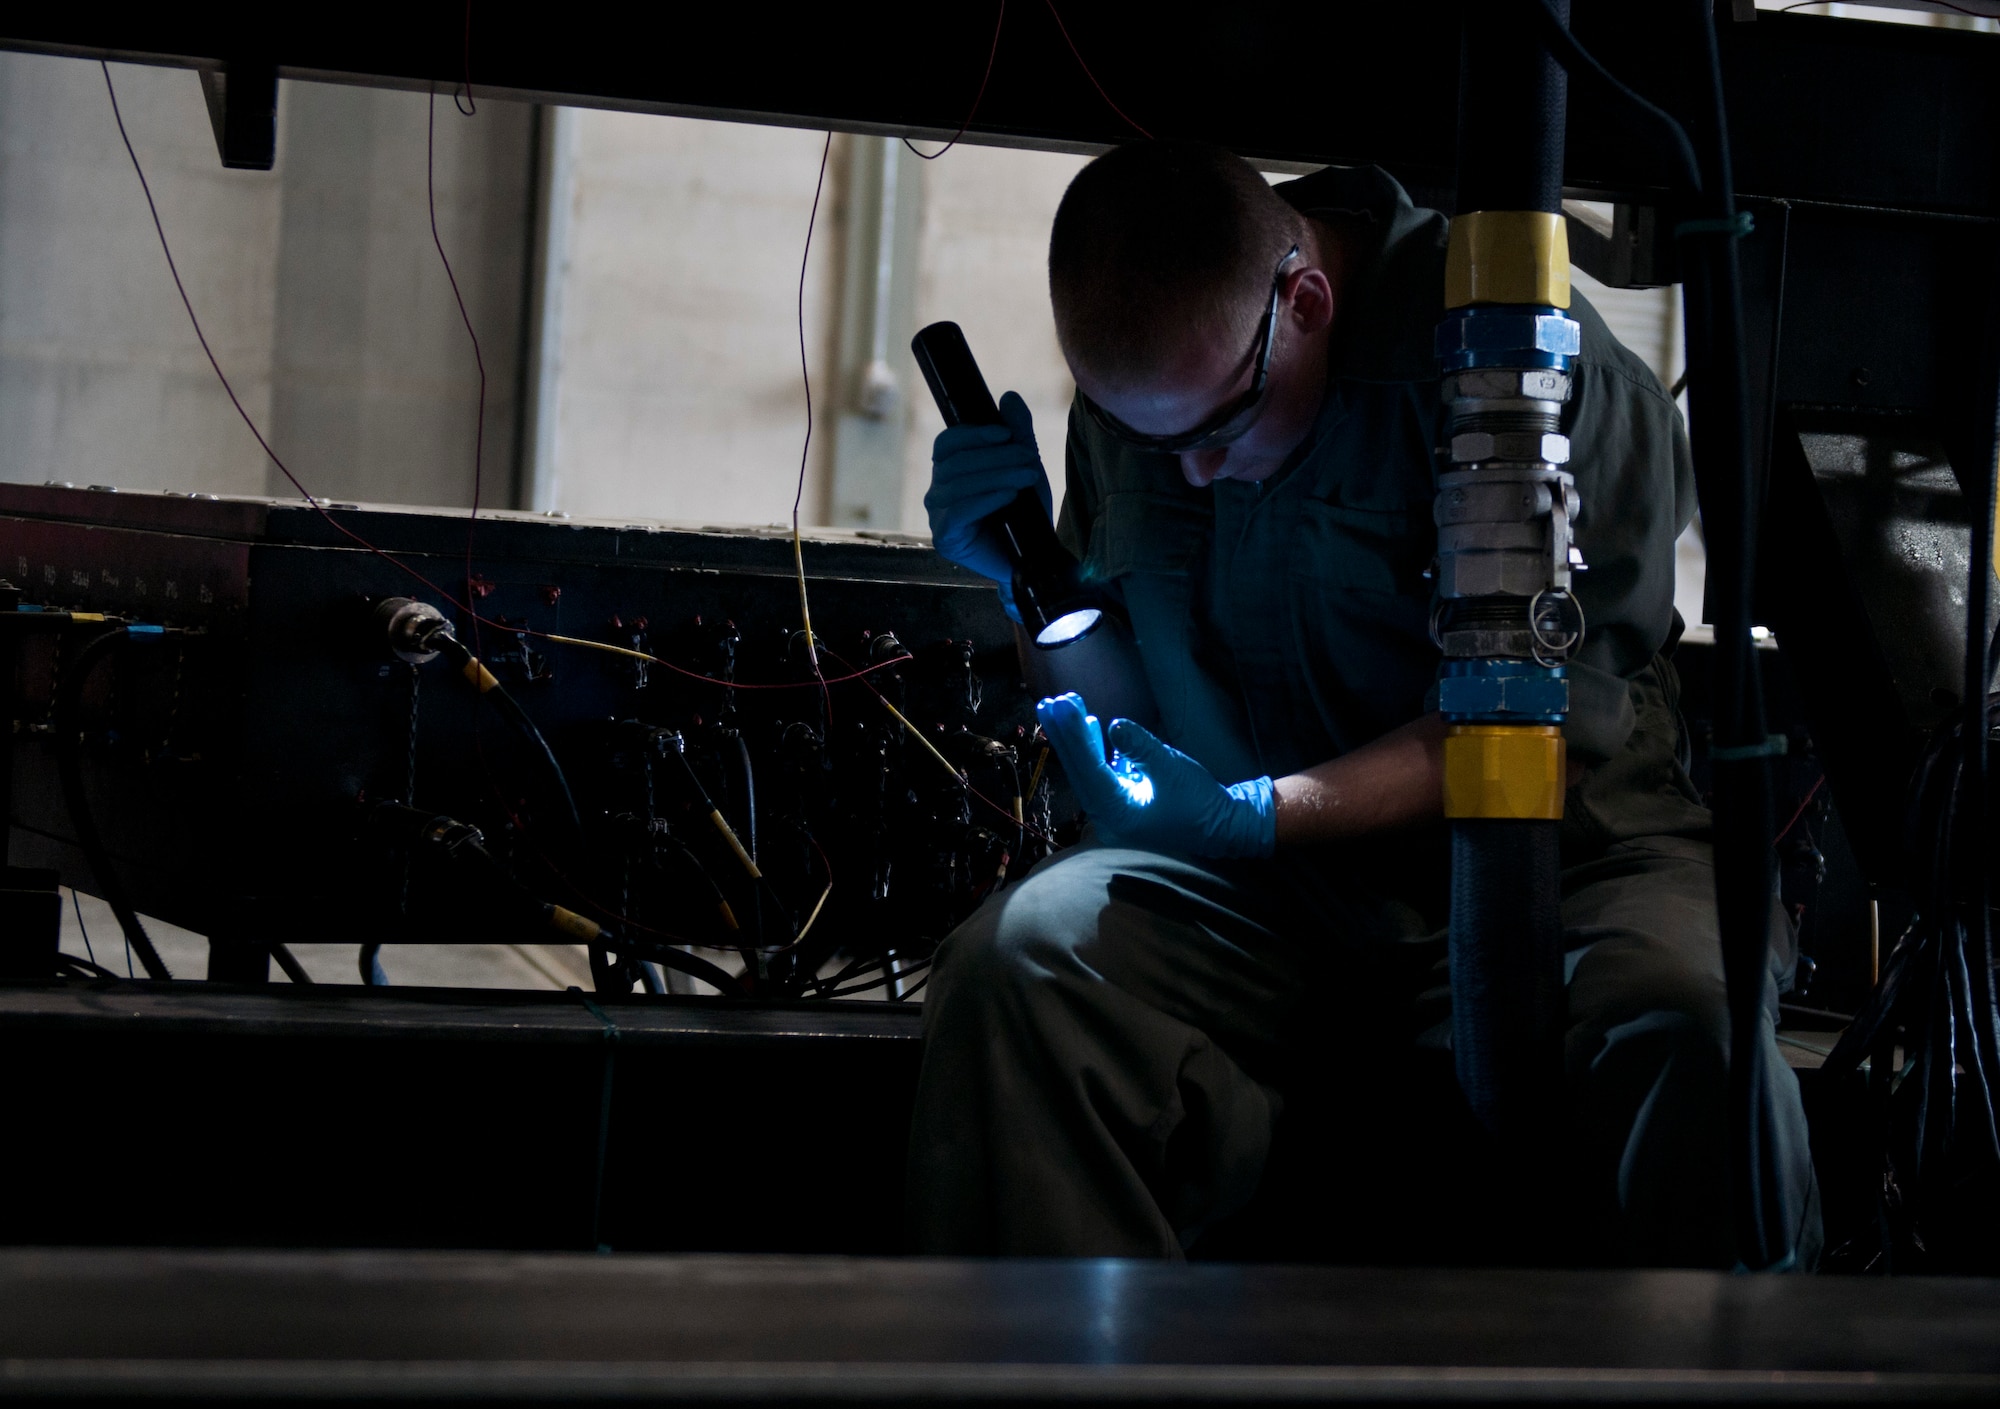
(1634, 249)
(242, 99)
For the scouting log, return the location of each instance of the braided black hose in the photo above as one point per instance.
(1506, 974)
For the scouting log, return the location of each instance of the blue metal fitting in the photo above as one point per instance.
(1507, 335)
(1500, 691)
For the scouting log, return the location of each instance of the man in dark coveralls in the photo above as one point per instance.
(1109, 1043)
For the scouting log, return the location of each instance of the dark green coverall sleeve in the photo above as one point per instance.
(1079, 507)
(1635, 481)
(1629, 454)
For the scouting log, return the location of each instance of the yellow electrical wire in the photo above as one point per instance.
(799, 938)
(805, 610)
(1041, 762)
(602, 646)
(918, 734)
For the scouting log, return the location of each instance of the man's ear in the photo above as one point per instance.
(1311, 301)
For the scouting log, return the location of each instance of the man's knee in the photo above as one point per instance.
(1018, 941)
(1634, 989)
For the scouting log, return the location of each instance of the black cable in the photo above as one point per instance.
(90, 968)
(1573, 56)
(857, 967)
(749, 795)
(369, 960)
(831, 987)
(718, 978)
(69, 768)
(750, 834)
(1745, 861)
(1020, 805)
(81, 928)
(286, 960)
(1972, 855)
(1730, 502)
(1928, 1002)
(744, 949)
(916, 967)
(462, 659)
(510, 709)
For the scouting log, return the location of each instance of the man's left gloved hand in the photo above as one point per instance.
(1153, 796)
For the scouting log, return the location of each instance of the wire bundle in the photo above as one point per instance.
(1936, 1000)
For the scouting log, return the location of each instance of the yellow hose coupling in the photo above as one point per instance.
(1507, 256)
(1504, 771)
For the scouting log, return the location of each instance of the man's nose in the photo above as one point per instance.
(1200, 467)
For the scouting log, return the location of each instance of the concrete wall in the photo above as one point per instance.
(984, 265)
(675, 390)
(671, 370)
(101, 381)
(316, 283)
(375, 387)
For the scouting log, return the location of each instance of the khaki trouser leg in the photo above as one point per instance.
(1099, 1046)
(1647, 1056)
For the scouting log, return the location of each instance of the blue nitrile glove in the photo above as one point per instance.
(976, 471)
(1153, 796)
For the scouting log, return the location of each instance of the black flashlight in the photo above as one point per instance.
(1048, 591)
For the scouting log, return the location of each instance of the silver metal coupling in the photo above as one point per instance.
(1505, 509)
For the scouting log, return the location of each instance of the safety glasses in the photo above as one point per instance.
(1235, 417)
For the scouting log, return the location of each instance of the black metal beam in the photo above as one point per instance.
(100, 1326)
(242, 97)
(442, 1118)
(1842, 111)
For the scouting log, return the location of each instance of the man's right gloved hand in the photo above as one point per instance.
(976, 471)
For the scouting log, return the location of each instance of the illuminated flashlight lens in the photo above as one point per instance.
(1068, 627)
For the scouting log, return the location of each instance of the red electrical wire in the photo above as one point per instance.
(818, 683)
(977, 98)
(1804, 803)
(478, 358)
(1078, 54)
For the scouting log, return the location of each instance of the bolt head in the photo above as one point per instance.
(1507, 384)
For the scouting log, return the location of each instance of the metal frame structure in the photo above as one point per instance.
(1823, 110)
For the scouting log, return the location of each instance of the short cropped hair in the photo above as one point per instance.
(1155, 242)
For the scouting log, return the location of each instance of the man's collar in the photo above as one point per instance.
(1384, 327)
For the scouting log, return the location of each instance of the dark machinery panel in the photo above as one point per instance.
(1864, 581)
(254, 773)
